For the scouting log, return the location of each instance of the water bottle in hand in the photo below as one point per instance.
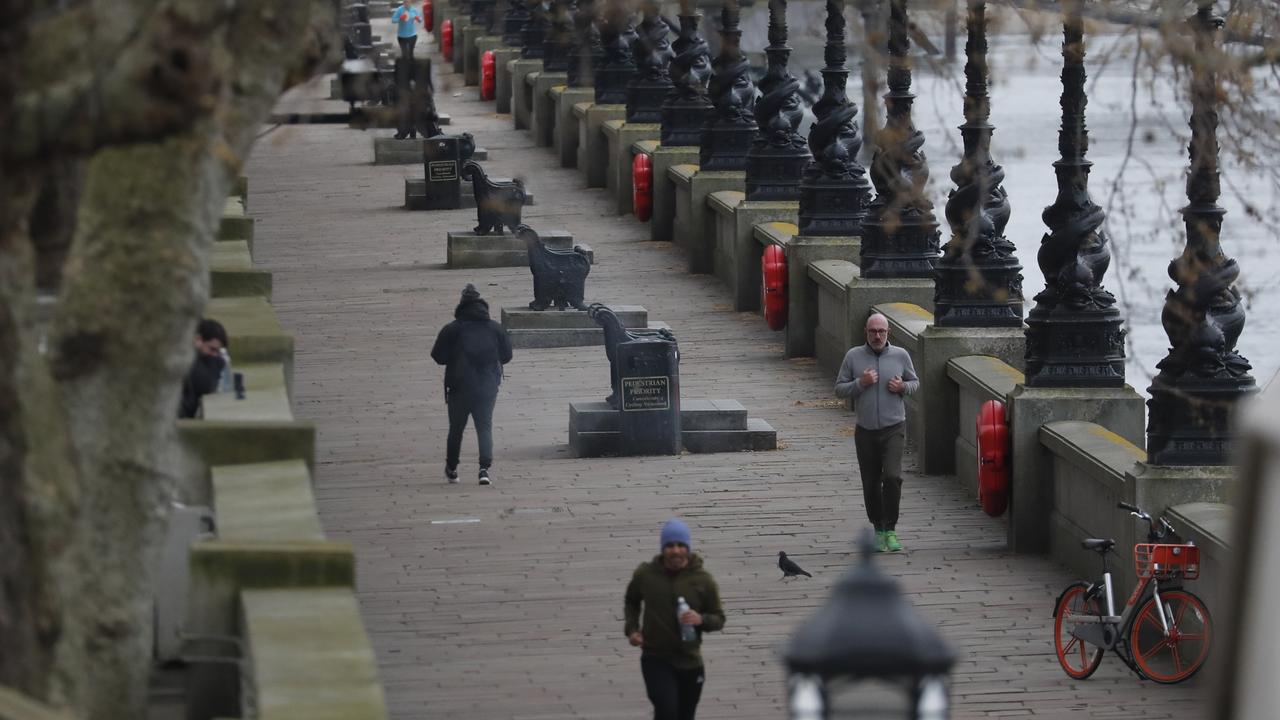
(687, 632)
(224, 377)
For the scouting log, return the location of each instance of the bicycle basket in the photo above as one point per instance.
(1163, 562)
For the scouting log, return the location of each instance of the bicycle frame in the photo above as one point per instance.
(1104, 630)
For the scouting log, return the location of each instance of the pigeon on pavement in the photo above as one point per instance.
(789, 568)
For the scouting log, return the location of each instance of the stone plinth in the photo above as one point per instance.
(695, 220)
(502, 59)
(565, 137)
(232, 273)
(469, 250)
(390, 151)
(863, 294)
(489, 43)
(460, 25)
(471, 54)
(802, 291)
(662, 224)
(737, 251)
(1119, 410)
(415, 194)
(707, 426)
(593, 147)
(566, 328)
(933, 413)
(542, 118)
(621, 136)
(522, 91)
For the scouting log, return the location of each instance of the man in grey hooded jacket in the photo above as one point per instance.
(878, 376)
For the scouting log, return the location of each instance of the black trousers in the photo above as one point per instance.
(406, 46)
(673, 692)
(462, 406)
(880, 463)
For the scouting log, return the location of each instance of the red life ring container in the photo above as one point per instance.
(993, 458)
(488, 76)
(428, 15)
(446, 39)
(642, 187)
(773, 266)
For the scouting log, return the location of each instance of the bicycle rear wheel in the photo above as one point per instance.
(1078, 658)
(1180, 654)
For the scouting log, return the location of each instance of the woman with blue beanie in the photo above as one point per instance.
(672, 666)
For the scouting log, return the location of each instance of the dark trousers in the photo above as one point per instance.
(673, 692)
(406, 46)
(480, 409)
(880, 462)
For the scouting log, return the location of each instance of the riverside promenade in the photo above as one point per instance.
(506, 601)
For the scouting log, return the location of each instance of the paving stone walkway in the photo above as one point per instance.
(506, 601)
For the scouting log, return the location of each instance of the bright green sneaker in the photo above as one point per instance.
(880, 543)
(891, 541)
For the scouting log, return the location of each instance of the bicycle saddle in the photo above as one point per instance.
(1098, 545)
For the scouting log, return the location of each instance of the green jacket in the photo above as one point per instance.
(657, 589)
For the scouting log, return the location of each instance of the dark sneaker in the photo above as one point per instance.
(451, 474)
(484, 477)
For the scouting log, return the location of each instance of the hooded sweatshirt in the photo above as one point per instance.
(658, 589)
(473, 350)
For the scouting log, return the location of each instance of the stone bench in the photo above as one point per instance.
(309, 657)
(706, 426)
(232, 273)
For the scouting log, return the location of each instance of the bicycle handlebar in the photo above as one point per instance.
(1154, 534)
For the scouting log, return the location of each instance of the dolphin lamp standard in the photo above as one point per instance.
(867, 654)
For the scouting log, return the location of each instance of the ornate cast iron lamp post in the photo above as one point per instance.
(1203, 377)
(513, 23)
(617, 66)
(560, 51)
(867, 653)
(1074, 333)
(730, 128)
(979, 281)
(651, 83)
(687, 106)
(533, 35)
(900, 237)
(778, 155)
(834, 192)
(586, 45)
(482, 13)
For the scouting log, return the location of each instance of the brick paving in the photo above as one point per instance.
(506, 602)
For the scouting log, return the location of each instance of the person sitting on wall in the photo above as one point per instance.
(206, 370)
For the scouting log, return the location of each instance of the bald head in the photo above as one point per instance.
(877, 331)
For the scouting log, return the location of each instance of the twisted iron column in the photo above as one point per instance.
(729, 130)
(560, 50)
(778, 154)
(482, 13)
(1193, 397)
(618, 65)
(900, 237)
(586, 45)
(1074, 333)
(533, 35)
(513, 23)
(834, 192)
(687, 106)
(979, 281)
(651, 83)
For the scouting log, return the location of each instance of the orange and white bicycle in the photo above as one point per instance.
(1164, 633)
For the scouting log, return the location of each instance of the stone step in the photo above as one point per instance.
(696, 415)
(469, 250)
(390, 151)
(565, 337)
(415, 194)
(522, 318)
(758, 435)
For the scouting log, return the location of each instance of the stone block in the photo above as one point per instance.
(620, 137)
(266, 396)
(415, 194)
(758, 436)
(707, 426)
(803, 295)
(542, 116)
(864, 294)
(831, 337)
(206, 443)
(565, 137)
(390, 151)
(565, 328)
(737, 250)
(662, 225)
(522, 91)
(695, 219)
(502, 58)
(265, 502)
(1119, 410)
(933, 413)
(593, 147)
(460, 25)
(232, 273)
(979, 378)
(469, 250)
(254, 331)
(471, 55)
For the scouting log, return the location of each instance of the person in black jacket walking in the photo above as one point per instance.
(473, 350)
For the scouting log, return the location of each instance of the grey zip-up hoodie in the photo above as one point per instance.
(875, 406)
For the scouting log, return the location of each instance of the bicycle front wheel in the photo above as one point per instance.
(1176, 656)
(1078, 658)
